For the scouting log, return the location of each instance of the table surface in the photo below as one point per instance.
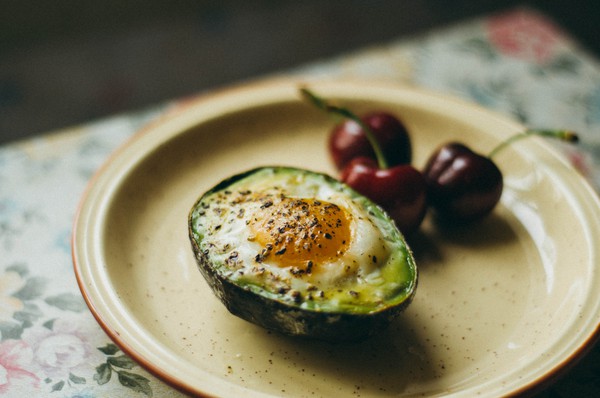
(518, 63)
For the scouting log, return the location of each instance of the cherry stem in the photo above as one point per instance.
(322, 104)
(563, 135)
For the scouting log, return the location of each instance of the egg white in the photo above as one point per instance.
(233, 239)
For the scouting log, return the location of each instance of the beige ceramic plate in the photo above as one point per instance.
(500, 307)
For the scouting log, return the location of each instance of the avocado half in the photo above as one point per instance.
(266, 241)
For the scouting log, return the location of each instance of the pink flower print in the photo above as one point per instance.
(581, 163)
(524, 34)
(15, 376)
(63, 350)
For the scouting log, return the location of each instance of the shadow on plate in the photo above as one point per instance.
(492, 231)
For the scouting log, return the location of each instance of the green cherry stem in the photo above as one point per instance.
(326, 106)
(563, 135)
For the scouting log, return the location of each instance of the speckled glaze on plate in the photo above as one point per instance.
(502, 307)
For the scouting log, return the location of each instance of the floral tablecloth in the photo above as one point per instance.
(518, 63)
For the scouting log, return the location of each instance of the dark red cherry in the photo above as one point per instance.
(399, 190)
(348, 140)
(462, 185)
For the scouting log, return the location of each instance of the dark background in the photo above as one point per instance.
(64, 62)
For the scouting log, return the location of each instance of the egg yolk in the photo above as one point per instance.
(301, 232)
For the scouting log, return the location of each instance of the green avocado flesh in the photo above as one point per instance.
(301, 253)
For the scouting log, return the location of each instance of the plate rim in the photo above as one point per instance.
(185, 106)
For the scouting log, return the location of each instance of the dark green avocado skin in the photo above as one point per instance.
(291, 320)
(283, 317)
